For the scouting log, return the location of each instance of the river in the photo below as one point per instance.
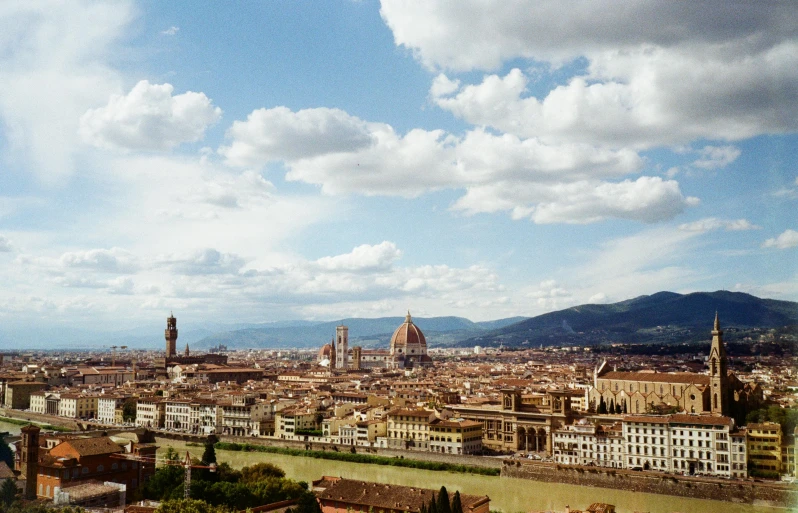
(506, 494)
(14, 429)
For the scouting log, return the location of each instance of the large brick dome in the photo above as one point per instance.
(408, 339)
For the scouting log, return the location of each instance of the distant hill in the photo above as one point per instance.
(662, 317)
(366, 332)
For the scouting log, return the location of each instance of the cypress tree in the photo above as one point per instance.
(457, 506)
(612, 406)
(433, 506)
(444, 506)
(602, 406)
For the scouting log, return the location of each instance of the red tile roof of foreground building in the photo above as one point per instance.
(387, 497)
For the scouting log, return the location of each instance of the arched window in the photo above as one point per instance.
(100, 468)
(716, 399)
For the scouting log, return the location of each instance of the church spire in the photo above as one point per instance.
(718, 369)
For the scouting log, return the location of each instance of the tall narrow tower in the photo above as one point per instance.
(342, 347)
(29, 459)
(718, 365)
(171, 336)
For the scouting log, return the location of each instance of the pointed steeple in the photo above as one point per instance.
(187, 353)
(716, 327)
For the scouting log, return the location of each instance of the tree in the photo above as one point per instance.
(189, 506)
(433, 506)
(129, 410)
(6, 454)
(612, 406)
(260, 472)
(624, 407)
(209, 455)
(444, 506)
(602, 409)
(307, 503)
(457, 505)
(8, 492)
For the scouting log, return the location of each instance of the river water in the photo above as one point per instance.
(506, 494)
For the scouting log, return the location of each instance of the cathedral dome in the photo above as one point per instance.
(325, 352)
(408, 338)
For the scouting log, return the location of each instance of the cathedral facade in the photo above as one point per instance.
(718, 392)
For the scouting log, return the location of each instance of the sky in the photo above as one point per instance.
(262, 161)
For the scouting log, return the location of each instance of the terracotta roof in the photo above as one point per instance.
(83, 447)
(389, 497)
(5, 471)
(685, 378)
(680, 418)
(408, 334)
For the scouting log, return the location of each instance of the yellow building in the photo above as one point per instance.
(409, 429)
(77, 406)
(457, 436)
(764, 447)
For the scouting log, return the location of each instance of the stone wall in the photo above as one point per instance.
(749, 492)
(476, 461)
(39, 418)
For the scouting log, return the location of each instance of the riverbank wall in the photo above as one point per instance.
(746, 492)
(40, 418)
(475, 461)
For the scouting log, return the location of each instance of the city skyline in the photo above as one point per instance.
(249, 162)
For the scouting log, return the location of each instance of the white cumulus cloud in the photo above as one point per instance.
(149, 117)
(787, 239)
(363, 257)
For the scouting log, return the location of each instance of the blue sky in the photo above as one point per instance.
(261, 161)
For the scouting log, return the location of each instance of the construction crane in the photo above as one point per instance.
(186, 464)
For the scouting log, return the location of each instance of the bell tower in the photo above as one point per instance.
(170, 333)
(718, 368)
(342, 347)
(29, 459)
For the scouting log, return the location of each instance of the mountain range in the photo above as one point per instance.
(664, 317)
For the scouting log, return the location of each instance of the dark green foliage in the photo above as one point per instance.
(189, 506)
(310, 432)
(433, 505)
(8, 493)
(443, 501)
(360, 458)
(260, 471)
(224, 472)
(602, 409)
(307, 503)
(612, 406)
(165, 484)
(6, 454)
(209, 455)
(457, 505)
(786, 417)
(129, 410)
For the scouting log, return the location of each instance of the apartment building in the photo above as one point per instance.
(150, 412)
(77, 406)
(585, 443)
(242, 415)
(684, 443)
(764, 446)
(409, 429)
(455, 436)
(290, 420)
(107, 407)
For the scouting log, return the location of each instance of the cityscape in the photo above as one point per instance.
(398, 256)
